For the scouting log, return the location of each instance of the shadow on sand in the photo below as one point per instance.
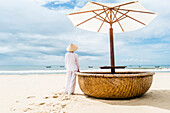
(154, 98)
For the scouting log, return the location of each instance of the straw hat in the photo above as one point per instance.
(72, 47)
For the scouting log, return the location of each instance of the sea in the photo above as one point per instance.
(60, 69)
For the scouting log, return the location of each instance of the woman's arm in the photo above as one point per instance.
(66, 61)
(77, 63)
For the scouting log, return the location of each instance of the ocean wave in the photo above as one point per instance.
(33, 72)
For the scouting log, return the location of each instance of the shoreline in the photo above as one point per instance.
(53, 72)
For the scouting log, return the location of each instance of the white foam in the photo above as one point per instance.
(151, 70)
(121, 70)
(33, 72)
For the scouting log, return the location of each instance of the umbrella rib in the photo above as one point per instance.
(116, 13)
(132, 18)
(89, 18)
(137, 11)
(85, 12)
(99, 4)
(126, 4)
(118, 19)
(107, 13)
(101, 17)
(120, 25)
(101, 25)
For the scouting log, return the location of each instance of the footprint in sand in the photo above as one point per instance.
(31, 103)
(17, 101)
(27, 109)
(55, 96)
(12, 109)
(30, 97)
(55, 103)
(42, 103)
(63, 105)
(46, 97)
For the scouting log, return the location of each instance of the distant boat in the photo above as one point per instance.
(116, 67)
(48, 66)
(90, 66)
(61, 66)
(157, 66)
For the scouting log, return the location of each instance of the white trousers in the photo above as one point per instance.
(70, 82)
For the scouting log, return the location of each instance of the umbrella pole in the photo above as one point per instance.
(112, 60)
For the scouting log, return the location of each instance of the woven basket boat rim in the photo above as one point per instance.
(107, 74)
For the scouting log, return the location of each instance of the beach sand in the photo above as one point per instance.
(41, 94)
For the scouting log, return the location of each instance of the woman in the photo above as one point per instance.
(72, 66)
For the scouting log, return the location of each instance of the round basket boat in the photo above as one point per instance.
(117, 86)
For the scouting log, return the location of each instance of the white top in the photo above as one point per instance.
(71, 61)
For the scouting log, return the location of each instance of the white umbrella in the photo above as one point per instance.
(109, 18)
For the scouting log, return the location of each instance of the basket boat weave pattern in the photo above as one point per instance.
(119, 85)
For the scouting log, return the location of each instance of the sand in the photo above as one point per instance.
(42, 94)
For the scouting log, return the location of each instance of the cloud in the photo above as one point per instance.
(32, 32)
(6, 50)
(42, 2)
(35, 19)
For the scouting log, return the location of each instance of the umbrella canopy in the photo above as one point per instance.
(125, 17)
(109, 18)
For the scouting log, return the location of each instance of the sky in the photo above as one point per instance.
(37, 32)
